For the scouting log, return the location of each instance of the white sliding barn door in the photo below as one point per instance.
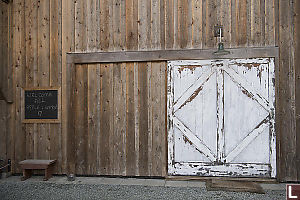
(221, 118)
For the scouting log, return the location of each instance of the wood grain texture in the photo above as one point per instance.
(105, 118)
(18, 132)
(119, 118)
(93, 117)
(81, 41)
(119, 136)
(158, 130)
(31, 68)
(130, 120)
(169, 13)
(5, 52)
(131, 25)
(286, 95)
(43, 79)
(297, 63)
(3, 132)
(68, 45)
(164, 55)
(183, 23)
(143, 119)
(80, 122)
(144, 24)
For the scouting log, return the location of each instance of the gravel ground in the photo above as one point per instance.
(45, 190)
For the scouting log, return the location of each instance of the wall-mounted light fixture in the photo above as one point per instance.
(218, 33)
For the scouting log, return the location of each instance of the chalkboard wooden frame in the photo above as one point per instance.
(58, 120)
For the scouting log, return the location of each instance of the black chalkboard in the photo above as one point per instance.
(41, 104)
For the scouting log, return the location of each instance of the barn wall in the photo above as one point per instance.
(43, 31)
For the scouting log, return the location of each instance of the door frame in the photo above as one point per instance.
(204, 168)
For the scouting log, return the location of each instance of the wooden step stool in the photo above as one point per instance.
(29, 165)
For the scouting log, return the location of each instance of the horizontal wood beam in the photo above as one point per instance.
(164, 55)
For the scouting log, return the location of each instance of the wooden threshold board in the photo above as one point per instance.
(185, 178)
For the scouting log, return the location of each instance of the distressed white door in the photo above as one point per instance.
(221, 118)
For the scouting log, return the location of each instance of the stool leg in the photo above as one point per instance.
(26, 174)
(48, 172)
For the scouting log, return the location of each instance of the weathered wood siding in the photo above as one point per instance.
(297, 68)
(43, 31)
(5, 46)
(5, 78)
(119, 119)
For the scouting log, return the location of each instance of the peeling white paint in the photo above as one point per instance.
(227, 120)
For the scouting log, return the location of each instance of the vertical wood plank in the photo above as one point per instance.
(270, 22)
(136, 92)
(131, 25)
(93, 117)
(92, 24)
(80, 121)
(242, 25)
(220, 115)
(162, 22)
(156, 123)
(31, 67)
(130, 120)
(225, 19)
(197, 24)
(149, 96)
(169, 13)
(155, 24)
(183, 31)
(175, 11)
(249, 19)
(117, 24)
(19, 62)
(43, 72)
(123, 25)
(119, 109)
(256, 32)
(105, 119)
(55, 78)
(210, 22)
(70, 136)
(297, 68)
(163, 118)
(104, 25)
(287, 144)
(203, 23)
(144, 25)
(5, 51)
(10, 54)
(143, 119)
(111, 119)
(263, 21)
(98, 118)
(68, 27)
(80, 26)
(3, 132)
(4, 28)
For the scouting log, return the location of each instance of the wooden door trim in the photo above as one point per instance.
(165, 55)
